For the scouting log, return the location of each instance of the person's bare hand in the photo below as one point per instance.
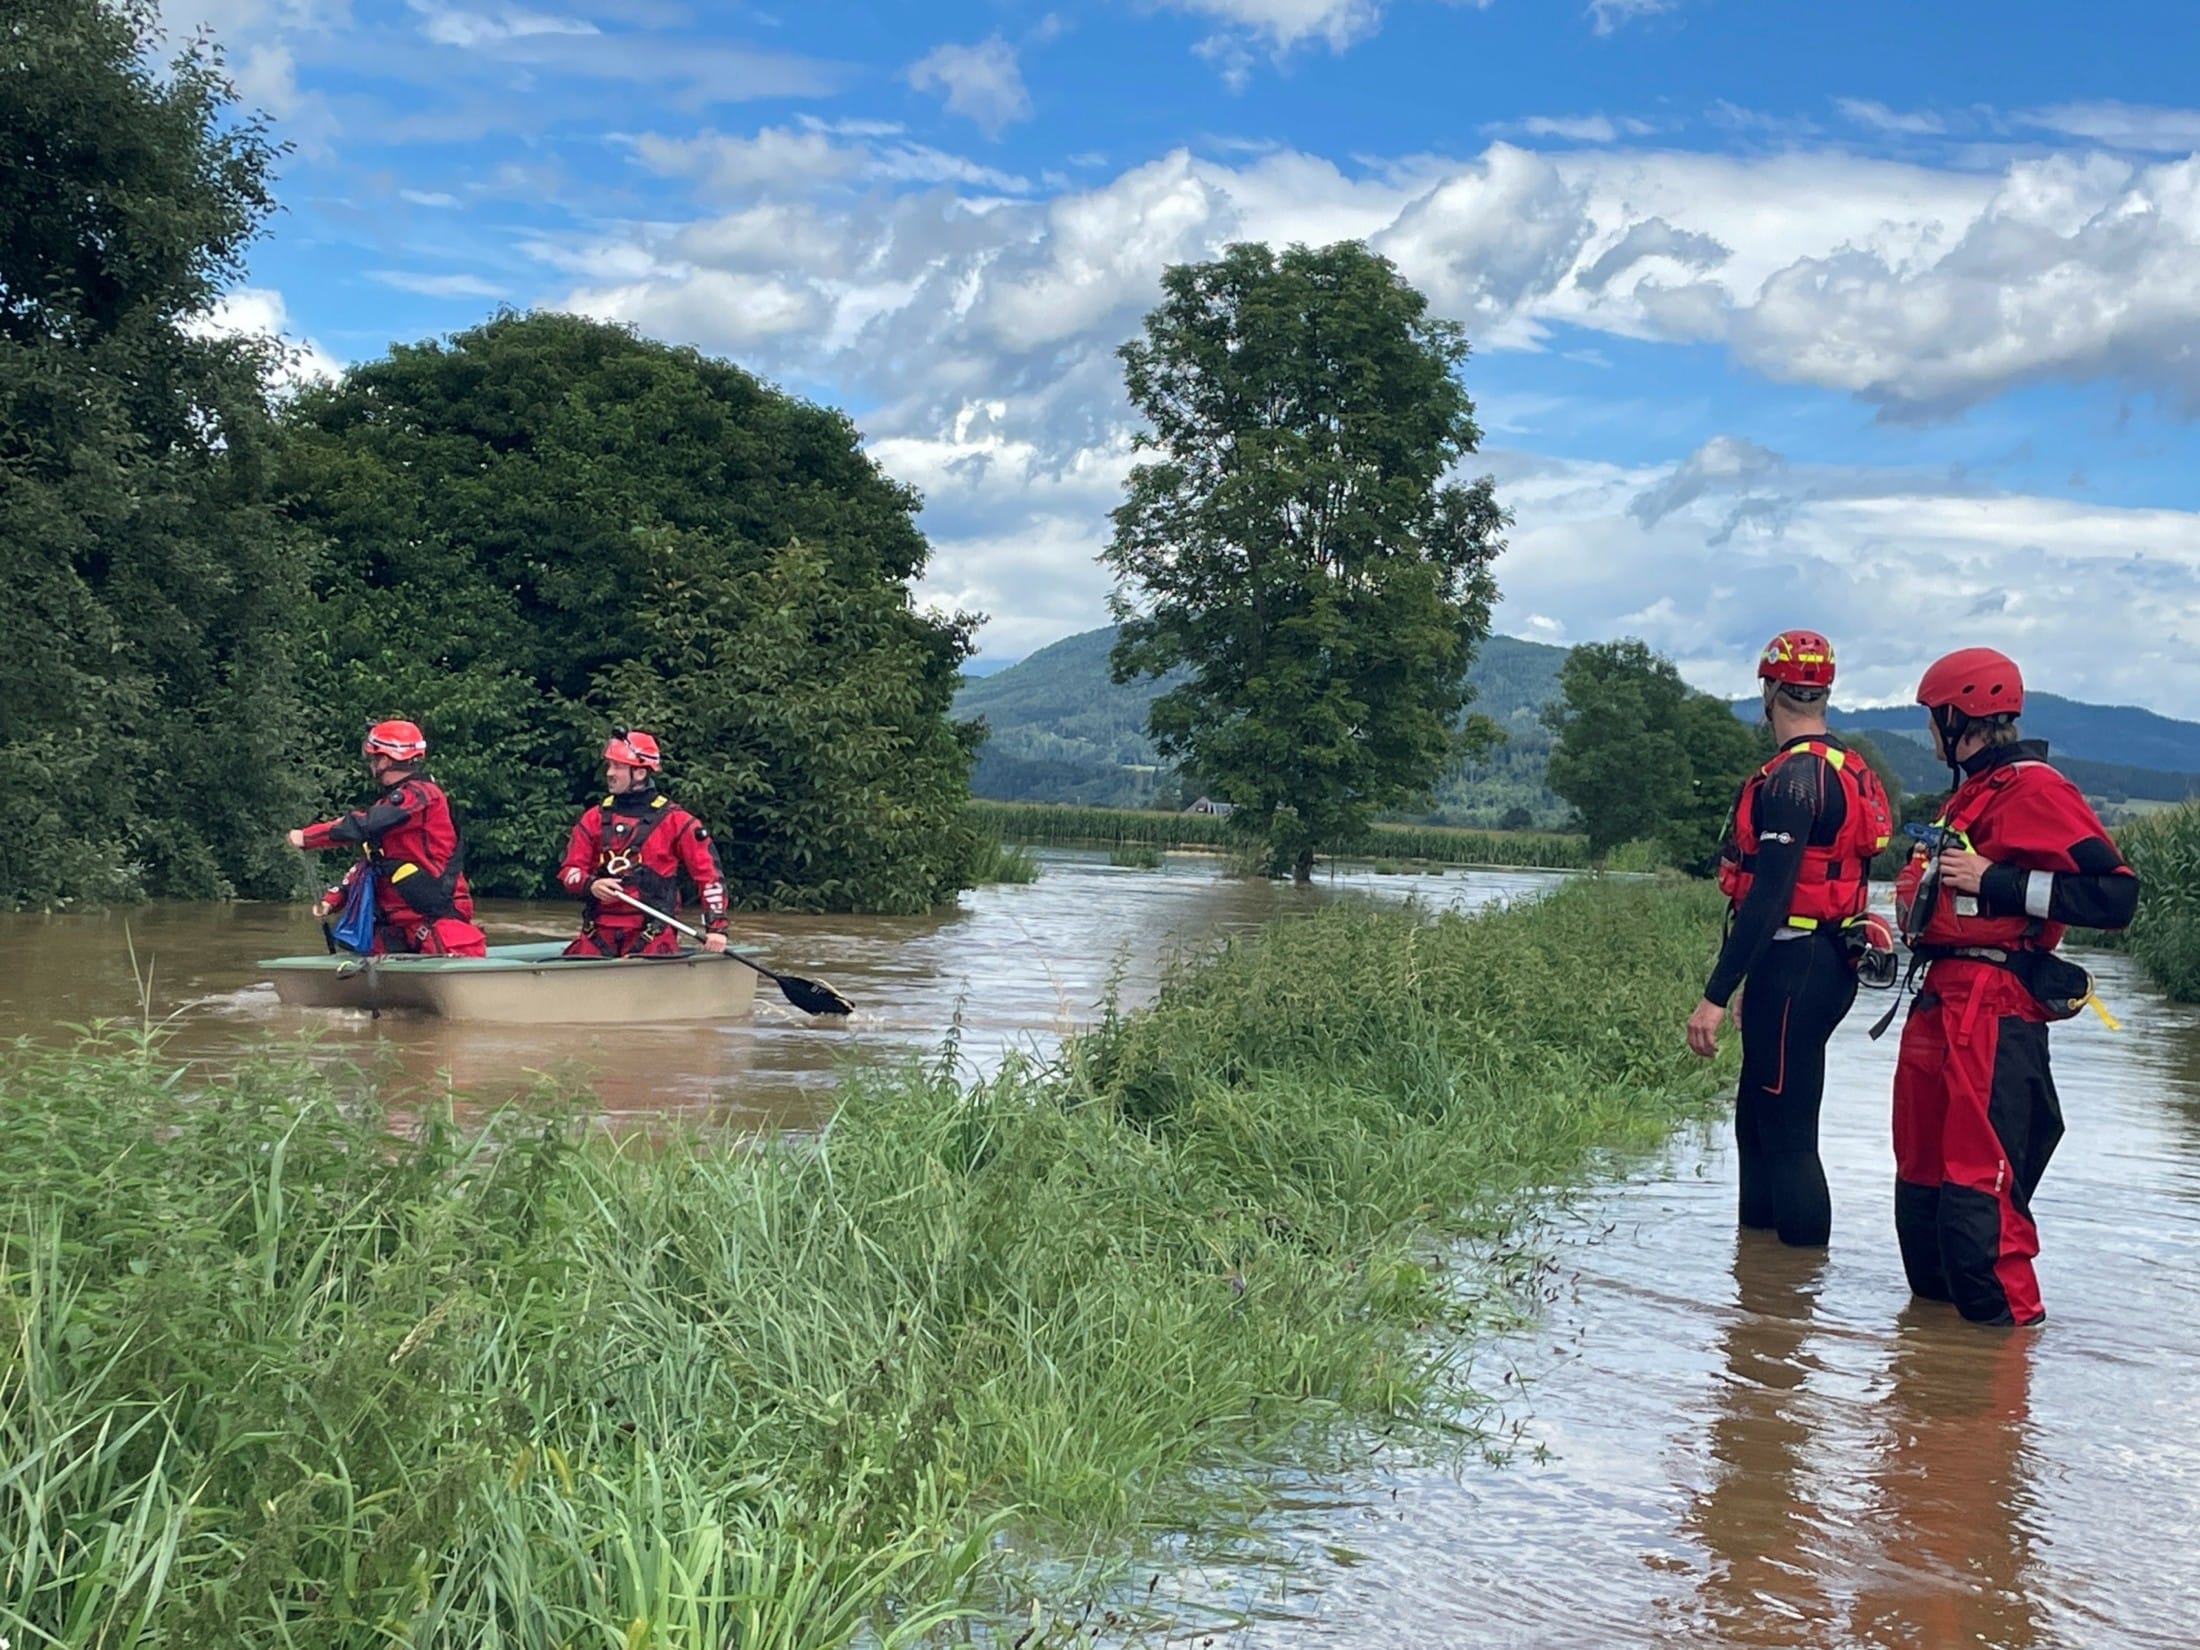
(714, 942)
(297, 839)
(1962, 870)
(1703, 1028)
(322, 907)
(607, 890)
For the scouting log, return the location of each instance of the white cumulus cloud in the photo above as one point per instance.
(982, 83)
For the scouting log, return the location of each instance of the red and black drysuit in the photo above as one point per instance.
(644, 841)
(1976, 1117)
(1795, 865)
(421, 901)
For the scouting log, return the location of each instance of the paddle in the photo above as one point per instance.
(810, 996)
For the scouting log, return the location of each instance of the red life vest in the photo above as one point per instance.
(421, 859)
(1833, 885)
(1942, 917)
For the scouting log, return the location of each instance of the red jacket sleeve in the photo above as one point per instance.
(699, 858)
(368, 824)
(578, 868)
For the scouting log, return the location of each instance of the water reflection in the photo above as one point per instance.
(1950, 1502)
(1759, 1518)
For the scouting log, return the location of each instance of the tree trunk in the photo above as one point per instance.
(1302, 869)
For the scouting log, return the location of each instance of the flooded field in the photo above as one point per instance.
(1013, 965)
(1726, 1442)
(1720, 1441)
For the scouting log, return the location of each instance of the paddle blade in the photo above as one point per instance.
(813, 996)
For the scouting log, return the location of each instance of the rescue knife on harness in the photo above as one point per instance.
(810, 996)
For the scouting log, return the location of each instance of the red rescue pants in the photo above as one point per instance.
(610, 938)
(1975, 1120)
(431, 937)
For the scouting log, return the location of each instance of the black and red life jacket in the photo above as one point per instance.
(1935, 918)
(421, 860)
(1833, 885)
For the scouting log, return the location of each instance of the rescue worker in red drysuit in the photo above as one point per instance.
(1794, 865)
(637, 840)
(2018, 855)
(421, 901)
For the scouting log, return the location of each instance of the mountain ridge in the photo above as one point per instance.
(1061, 730)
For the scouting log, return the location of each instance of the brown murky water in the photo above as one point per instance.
(1746, 1445)
(1724, 1442)
(1015, 965)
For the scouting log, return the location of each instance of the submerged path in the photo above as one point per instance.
(1754, 1446)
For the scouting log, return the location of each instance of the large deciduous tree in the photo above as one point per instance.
(547, 524)
(148, 592)
(1295, 545)
(1642, 755)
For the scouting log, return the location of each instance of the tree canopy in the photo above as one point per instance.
(150, 592)
(1294, 546)
(1642, 755)
(547, 524)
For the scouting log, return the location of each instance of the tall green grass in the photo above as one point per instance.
(2163, 847)
(281, 1366)
(1043, 823)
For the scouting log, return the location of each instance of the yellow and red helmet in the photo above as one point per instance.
(635, 748)
(402, 741)
(1797, 658)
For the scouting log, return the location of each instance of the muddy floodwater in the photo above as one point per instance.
(1713, 1440)
(1724, 1442)
(1012, 966)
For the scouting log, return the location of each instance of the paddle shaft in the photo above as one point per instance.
(810, 996)
(693, 934)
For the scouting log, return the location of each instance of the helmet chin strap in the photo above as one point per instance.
(1950, 723)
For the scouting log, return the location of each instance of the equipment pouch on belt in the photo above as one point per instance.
(2059, 986)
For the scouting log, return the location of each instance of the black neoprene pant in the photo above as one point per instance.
(1797, 993)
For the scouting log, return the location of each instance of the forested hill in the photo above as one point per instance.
(2121, 734)
(1063, 732)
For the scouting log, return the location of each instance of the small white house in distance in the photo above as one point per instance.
(1208, 805)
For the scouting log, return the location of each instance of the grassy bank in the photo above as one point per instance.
(1045, 823)
(270, 1375)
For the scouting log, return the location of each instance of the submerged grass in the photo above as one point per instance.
(272, 1372)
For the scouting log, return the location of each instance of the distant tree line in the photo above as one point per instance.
(515, 537)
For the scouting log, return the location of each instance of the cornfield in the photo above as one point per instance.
(2164, 849)
(1042, 824)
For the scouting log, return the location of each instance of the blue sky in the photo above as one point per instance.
(1879, 317)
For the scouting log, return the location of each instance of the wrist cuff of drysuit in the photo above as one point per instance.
(2004, 890)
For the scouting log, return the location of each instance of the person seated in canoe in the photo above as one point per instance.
(410, 842)
(637, 841)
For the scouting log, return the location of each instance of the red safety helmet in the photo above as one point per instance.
(635, 748)
(1797, 658)
(401, 740)
(1975, 680)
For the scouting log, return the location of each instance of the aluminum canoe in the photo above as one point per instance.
(524, 985)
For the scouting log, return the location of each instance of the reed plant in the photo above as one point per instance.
(993, 860)
(2163, 847)
(282, 1365)
(1136, 856)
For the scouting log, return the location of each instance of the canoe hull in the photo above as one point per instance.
(524, 985)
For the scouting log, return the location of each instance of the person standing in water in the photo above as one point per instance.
(2016, 855)
(1794, 867)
